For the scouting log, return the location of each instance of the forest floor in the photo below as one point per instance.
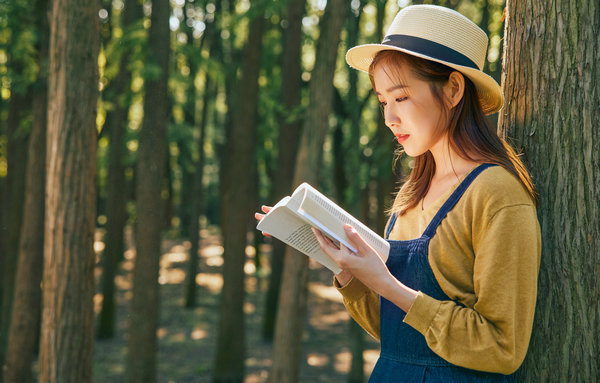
(187, 337)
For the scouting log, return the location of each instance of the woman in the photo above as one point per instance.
(454, 299)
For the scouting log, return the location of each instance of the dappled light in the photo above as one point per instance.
(195, 330)
(250, 251)
(328, 292)
(317, 360)
(99, 246)
(342, 361)
(198, 334)
(138, 139)
(213, 282)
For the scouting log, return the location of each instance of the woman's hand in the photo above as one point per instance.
(368, 267)
(365, 265)
(265, 209)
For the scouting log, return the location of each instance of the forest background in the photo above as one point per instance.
(137, 133)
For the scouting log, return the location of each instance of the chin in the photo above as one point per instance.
(411, 152)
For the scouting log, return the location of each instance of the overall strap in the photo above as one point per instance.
(390, 225)
(453, 199)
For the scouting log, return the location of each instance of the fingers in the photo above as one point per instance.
(258, 217)
(323, 241)
(265, 208)
(356, 239)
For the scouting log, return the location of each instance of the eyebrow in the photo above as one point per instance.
(393, 88)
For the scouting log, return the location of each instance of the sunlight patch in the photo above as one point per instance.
(213, 282)
(198, 334)
(317, 360)
(325, 292)
(342, 362)
(212, 251)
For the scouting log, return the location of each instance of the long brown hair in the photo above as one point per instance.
(469, 132)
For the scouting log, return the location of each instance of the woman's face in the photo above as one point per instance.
(410, 109)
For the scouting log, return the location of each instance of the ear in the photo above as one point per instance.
(454, 88)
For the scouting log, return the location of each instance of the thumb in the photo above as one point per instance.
(355, 239)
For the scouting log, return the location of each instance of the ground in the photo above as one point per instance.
(187, 336)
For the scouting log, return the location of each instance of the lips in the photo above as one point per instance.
(401, 137)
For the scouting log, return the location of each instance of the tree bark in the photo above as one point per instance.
(196, 199)
(116, 214)
(11, 216)
(383, 147)
(236, 213)
(16, 160)
(25, 317)
(550, 78)
(292, 300)
(151, 164)
(66, 345)
(289, 135)
(357, 182)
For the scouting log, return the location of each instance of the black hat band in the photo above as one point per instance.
(430, 49)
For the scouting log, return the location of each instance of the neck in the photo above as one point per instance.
(448, 163)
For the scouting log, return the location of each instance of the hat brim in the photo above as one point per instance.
(488, 90)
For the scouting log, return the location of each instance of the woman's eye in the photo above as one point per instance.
(383, 104)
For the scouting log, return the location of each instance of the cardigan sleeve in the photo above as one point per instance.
(494, 334)
(362, 304)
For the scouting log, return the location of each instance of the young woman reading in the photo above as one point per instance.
(454, 301)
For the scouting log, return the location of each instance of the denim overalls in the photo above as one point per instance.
(405, 356)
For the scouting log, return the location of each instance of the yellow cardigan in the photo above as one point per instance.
(486, 255)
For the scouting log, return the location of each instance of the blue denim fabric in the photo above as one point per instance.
(405, 356)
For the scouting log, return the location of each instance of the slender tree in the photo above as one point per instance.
(116, 124)
(383, 147)
(289, 134)
(236, 212)
(355, 173)
(292, 300)
(17, 137)
(550, 81)
(150, 206)
(196, 199)
(66, 344)
(25, 322)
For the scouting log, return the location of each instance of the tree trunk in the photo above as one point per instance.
(236, 212)
(116, 214)
(288, 148)
(292, 300)
(16, 159)
(550, 79)
(143, 345)
(229, 56)
(25, 317)
(355, 171)
(196, 198)
(383, 147)
(66, 344)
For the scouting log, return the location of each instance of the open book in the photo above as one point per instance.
(292, 218)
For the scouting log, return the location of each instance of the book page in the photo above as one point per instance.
(285, 225)
(322, 212)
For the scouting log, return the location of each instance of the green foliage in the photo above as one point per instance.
(18, 39)
(133, 41)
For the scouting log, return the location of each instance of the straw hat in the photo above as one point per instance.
(437, 34)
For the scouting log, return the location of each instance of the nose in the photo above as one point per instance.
(392, 119)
